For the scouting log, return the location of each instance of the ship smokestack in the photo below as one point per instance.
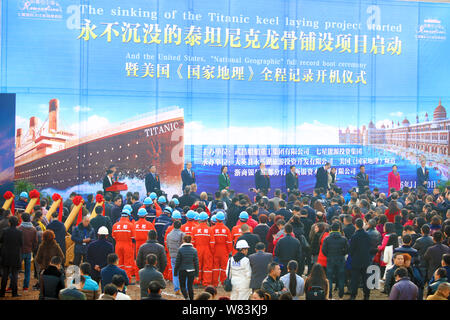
(53, 108)
(33, 123)
(19, 137)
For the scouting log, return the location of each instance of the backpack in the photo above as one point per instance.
(315, 293)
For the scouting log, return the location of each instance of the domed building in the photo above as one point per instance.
(439, 113)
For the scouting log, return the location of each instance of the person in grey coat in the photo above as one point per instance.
(148, 274)
(259, 262)
(403, 289)
(173, 242)
(152, 246)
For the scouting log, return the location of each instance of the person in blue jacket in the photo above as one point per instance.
(98, 251)
(82, 235)
(112, 269)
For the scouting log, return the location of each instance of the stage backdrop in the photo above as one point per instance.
(8, 112)
(287, 82)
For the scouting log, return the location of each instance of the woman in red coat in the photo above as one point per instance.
(393, 179)
(392, 211)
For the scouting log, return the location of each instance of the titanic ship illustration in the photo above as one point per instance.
(49, 156)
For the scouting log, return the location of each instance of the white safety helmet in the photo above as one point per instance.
(242, 244)
(103, 231)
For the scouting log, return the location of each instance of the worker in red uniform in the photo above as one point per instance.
(236, 232)
(141, 227)
(203, 241)
(223, 245)
(188, 227)
(124, 234)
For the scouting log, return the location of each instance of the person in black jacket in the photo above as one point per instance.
(359, 252)
(108, 180)
(187, 175)
(291, 180)
(322, 177)
(272, 285)
(187, 267)
(335, 247)
(51, 280)
(288, 248)
(252, 239)
(262, 179)
(12, 243)
(152, 246)
(152, 182)
(362, 179)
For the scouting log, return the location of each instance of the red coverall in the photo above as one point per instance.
(188, 227)
(204, 243)
(141, 227)
(123, 232)
(222, 247)
(236, 232)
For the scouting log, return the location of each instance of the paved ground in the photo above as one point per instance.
(168, 293)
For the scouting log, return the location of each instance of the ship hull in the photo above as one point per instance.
(132, 152)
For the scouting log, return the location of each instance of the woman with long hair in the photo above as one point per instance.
(48, 249)
(316, 284)
(392, 210)
(390, 238)
(317, 231)
(293, 281)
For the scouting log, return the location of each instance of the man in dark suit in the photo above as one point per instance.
(262, 180)
(259, 262)
(12, 243)
(186, 199)
(187, 175)
(152, 183)
(291, 180)
(108, 180)
(288, 248)
(359, 252)
(252, 239)
(422, 175)
(362, 179)
(322, 177)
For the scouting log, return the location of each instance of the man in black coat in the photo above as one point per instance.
(187, 175)
(12, 243)
(252, 239)
(262, 179)
(108, 180)
(362, 179)
(422, 175)
(433, 255)
(259, 261)
(288, 248)
(291, 180)
(322, 177)
(98, 251)
(152, 246)
(51, 281)
(335, 247)
(359, 252)
(186, 200)
(287, 214)
(152, 182)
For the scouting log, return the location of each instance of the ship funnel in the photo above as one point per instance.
(18, 137)
(53, 108)
(33, 124)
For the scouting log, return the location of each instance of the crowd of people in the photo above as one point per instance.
(325, 245)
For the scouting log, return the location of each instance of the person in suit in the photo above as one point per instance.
(291, 180)
(262, 179)
(224, 178)
(108, 180)
(359, 251)
(259, 262)
(362, 179)
(152, 182)
(322, 177)
(422, 175)
(187, 175)
(12, 244)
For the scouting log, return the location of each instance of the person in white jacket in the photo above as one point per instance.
(240, 272)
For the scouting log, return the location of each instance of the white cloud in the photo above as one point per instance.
(81, 109)
(92, 124)
(305, 134)
(396, 114)
(6, 175)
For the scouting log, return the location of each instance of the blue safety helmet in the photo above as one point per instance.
(142, 212)
(213, 218)
(125, 211)
(203, 216)
(197, 216)
(220, 216)
(128, 207)
(191, 214)
(148, 201)
(176, 214)
(243, 215)
(153, 196)
(175, 200)
(168, 209)
(161, 199)
(24, 195)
